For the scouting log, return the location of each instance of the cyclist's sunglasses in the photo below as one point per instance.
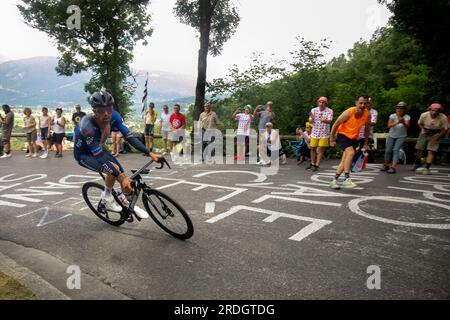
(104, 109)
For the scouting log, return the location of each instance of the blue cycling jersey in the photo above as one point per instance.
(88, 135)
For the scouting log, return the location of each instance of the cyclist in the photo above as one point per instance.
(91, 134)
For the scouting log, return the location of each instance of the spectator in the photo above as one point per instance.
(373, 116)
(270, 139)
(7, 127)
(149, 124)
(116, 137)
(44, 126)
(30, 129)
(265, 116)
(433, 125)
(177, 135)
(243, 132)
(347, 128)
(58, 123)
(304, 139)
(398, 125)
(164, 129)
(321, 118)
(208, 120)
(77, 116)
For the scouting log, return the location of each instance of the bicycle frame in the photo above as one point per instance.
(138, 186)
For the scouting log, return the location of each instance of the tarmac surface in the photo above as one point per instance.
(257, 236)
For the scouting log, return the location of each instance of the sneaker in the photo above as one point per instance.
(385, 169)
(348, 184)
(141, 213)
(260, 163)
(315, 169)
(283, 159)
(111, 204)
(5, 155)
(426, 172)
(311, 166)
(34, 155)
(391, 171)
(416, 166)
(28, 155)
(334, 185)
(44, 156)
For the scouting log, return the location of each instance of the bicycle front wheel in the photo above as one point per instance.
(92, 195)
(168, 214)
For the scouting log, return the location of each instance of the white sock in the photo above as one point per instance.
(107, 193)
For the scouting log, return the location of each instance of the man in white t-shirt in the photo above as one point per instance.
(164, 129)
(321, 118)
(373, 115)
(243, 132)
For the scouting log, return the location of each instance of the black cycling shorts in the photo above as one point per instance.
(100, 164)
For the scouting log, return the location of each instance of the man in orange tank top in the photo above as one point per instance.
(347, 128)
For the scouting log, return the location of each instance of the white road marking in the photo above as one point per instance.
(322, 203)
(11, 204)
(316, 224)
(354, 207)
(260, 177)
(210, 207)
(45, 210)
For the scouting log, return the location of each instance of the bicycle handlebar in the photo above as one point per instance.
(163, 162)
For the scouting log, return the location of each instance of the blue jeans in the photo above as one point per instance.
(393, 145)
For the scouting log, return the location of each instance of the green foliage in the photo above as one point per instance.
(104, 44)
(429, 23)
(390, 67)
(216, 21)
(224, 20)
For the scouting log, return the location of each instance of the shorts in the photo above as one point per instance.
(6, 136)
(165, 134)
(58, 138)
(177, 136)
(319, 142)
(423, 143)
(31, 136)
(99, 164)
(116, 134)
(149, 130)
(243, 139)
(44, 133)
(345, 142)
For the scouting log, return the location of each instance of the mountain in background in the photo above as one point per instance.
(34, 82)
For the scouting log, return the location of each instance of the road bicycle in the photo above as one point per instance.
(165, 211)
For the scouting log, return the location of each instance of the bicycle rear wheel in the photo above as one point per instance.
(92, 195)
(168, 214)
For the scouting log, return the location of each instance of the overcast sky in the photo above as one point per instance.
(268, 26)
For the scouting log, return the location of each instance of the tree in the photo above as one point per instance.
(104, 43)
(428, 22)
(216, 21)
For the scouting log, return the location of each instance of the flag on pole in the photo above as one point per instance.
(144, 98)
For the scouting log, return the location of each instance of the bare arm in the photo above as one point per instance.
(235, 113)
(342, 118)
(391, 123)
(62, 123)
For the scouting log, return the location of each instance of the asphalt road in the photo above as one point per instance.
(257, 236)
